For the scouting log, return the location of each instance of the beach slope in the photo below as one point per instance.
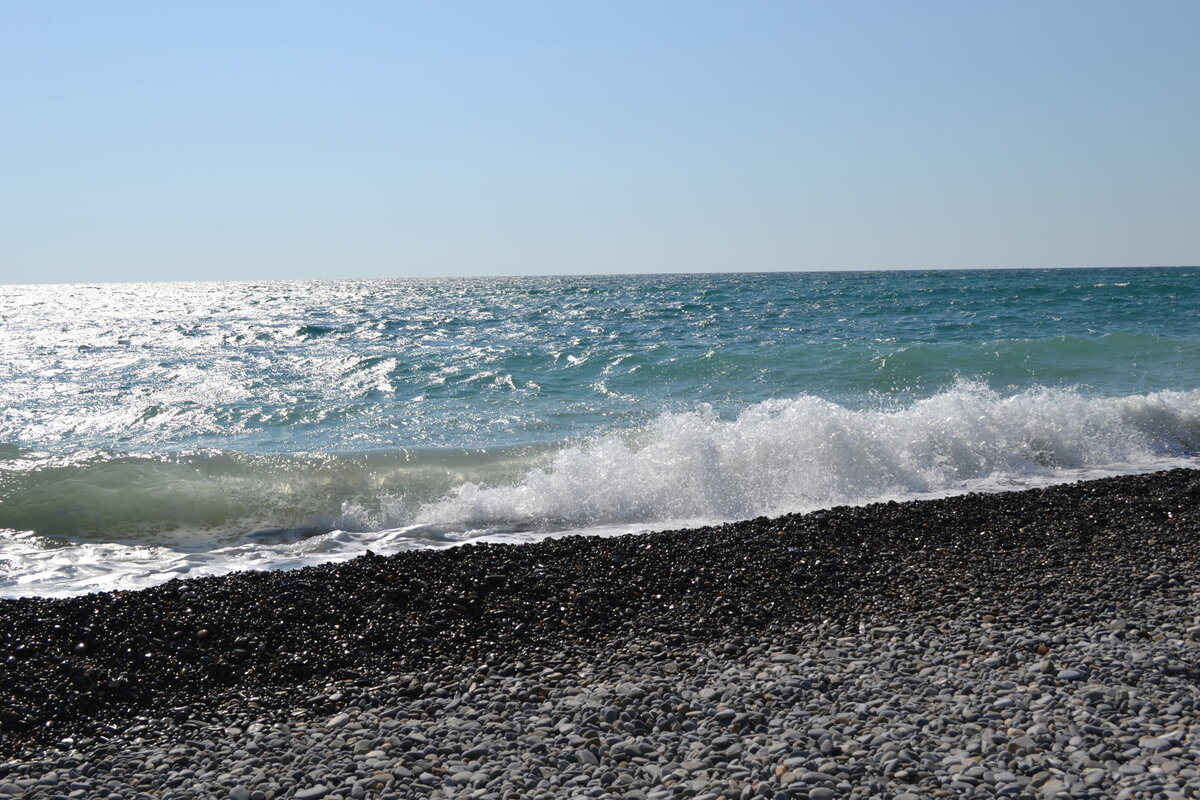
(1035, 643)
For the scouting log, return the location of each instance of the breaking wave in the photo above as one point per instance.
(775, 456)
(100, 521)
(805, 453)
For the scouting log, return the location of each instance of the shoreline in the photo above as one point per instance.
(803, 601)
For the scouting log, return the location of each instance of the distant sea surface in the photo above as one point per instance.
(149, 431)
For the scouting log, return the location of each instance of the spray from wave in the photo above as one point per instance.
(804, 453)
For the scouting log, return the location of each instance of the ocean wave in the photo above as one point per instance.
(349, 365)
(101, 521)
(805, 452)
(205, 499)
(773, 457)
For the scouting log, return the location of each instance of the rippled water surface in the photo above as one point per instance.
(157, 429)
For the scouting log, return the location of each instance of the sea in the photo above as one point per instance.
(163, 430)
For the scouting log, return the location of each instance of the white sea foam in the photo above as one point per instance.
(684, 468)
(805, 453)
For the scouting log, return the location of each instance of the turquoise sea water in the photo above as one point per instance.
(153, 430)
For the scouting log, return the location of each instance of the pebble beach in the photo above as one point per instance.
(1043, 643)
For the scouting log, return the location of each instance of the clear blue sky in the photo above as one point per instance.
(224, 140)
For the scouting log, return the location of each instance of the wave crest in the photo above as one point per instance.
(774, 457)
(802, 453)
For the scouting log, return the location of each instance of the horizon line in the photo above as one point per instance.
(516, 276)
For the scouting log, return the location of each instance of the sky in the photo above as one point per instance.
(274, 140)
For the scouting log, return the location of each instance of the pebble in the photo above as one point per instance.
(870, 676)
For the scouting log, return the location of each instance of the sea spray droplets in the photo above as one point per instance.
(785, 455)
